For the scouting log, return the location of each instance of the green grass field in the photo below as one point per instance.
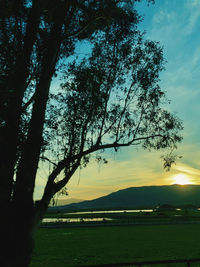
(97, 245)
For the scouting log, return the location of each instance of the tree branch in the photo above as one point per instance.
(45, 158)
(28, 102)
(59, 185)
(62, 164)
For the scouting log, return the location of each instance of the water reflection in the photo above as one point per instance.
(109, 211)
(70, 220)
(99, 219)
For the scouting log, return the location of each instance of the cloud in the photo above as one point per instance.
(176, 25)
(163, 17)
(183, 168)
(192, 8)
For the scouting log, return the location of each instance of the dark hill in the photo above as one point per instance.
(146, 196)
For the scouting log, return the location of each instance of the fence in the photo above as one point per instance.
(140, 264)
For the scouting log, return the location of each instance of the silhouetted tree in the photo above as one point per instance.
(108, 99)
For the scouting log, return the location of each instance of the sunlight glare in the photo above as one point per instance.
(181, 179)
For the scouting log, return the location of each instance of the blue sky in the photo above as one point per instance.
(175, 24)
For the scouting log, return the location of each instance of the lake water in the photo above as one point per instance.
(100, 219)
(109, 211)
(70, 220)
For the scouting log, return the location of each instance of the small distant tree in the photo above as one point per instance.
(108, 99)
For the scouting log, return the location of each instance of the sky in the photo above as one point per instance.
(175, 24)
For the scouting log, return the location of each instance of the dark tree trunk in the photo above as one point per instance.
(16, 84)
(16, 229)
(28, 164)
(19, 217)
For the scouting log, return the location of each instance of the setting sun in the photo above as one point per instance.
(181, 179)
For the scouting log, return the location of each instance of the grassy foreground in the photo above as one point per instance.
(97, 245)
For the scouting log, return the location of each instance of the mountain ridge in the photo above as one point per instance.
(144, 196)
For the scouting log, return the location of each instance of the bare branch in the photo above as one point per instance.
(45, 158)
(78, 32)
(59, 185)
(28, 102)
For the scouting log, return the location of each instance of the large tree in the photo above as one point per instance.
(109, 98)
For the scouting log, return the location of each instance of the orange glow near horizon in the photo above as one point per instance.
(181, 179)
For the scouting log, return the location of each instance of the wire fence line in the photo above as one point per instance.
(140, 264)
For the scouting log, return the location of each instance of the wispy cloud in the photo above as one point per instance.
(192, 8)
(176, 20)
(188, 170)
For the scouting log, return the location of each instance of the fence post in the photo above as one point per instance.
(188, 264)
